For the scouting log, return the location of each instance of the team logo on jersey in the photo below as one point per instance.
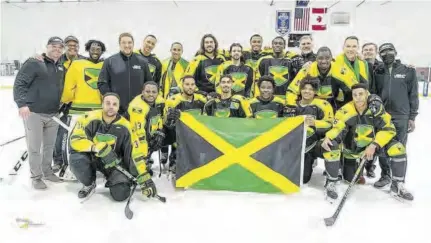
(137, 110)
(364, 135)
(279, 73)
(152, 69)
(107, 138)
(239, 80)
(155, 121)
(325, 91)
(222, 113)
(91, 76)
(210, 73)
(194, 111)
(266, 114)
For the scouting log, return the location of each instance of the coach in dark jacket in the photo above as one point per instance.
(124, 73)
(397, 85)
(37, 92)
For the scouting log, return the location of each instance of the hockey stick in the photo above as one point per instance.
(18, 164)
(11, 141)
(127, 211)
(331, 220)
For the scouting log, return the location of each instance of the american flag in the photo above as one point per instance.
(302, 19)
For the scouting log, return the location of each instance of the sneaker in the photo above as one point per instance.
(38, 184)
(87, 190)
(398, 190)
(53, 178)
(383, 182)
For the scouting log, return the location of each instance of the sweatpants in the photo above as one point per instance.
(40, 131)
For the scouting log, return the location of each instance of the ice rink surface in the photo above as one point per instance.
(369, 215)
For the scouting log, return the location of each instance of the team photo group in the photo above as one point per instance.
(85, 115)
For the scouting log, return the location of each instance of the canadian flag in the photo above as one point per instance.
(318, 19)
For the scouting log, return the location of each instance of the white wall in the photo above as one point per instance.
(27, 27)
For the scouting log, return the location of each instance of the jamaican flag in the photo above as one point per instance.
(236, 154)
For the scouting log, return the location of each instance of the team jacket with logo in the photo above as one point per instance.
(124, 75)
(357, 131)
(154, 64)
(346, 76)
(280, 69)
(398, 90)
(80, 86)
(267, 109)
(204, 69)
(195, 106)
(251, 57)
(323, 115)
(325, 86)
(90, 129)
(242, 76)
(235, 106)
(145, 118)
(171, 75)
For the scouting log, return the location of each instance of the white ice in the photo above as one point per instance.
(369, 215)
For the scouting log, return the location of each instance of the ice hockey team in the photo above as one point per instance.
(122, 109)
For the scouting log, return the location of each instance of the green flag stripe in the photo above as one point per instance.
(238, 133)
(236, 178)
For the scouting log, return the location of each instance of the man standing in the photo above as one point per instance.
(306, 45)
(255, 53)
(350, 71)
(124, 73)
(397, 85)
(242, 75)
(277, 65)
(205, 65)
(37, 92)
(81, 92)
(72, 49)
(102, 140)
(154, 63)
(173, 70)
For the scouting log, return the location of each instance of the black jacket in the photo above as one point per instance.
(309, 57)
(398, 90)
(39, 85)
(124, 75)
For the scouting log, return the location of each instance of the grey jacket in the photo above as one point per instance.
(39, 85)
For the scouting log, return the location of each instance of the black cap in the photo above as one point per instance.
(55, 40)
(386, 46)
(71, 38)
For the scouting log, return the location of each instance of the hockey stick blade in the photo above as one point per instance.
(127, 211)
(161, 199)
(329, 221)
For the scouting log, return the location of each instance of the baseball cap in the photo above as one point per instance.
(386, 46)
(71, 38)
(55, 40)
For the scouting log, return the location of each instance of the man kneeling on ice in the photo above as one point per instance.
(102, 140)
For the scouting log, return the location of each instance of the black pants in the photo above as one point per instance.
(402, 127)
(331, 166)
(60, 151)
(84, 167)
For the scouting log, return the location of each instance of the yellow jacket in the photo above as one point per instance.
(172, 78)
(80, 86)
(90, 129)
(145, 119)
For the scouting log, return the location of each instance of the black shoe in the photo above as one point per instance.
(86, 190)
(383, 182)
